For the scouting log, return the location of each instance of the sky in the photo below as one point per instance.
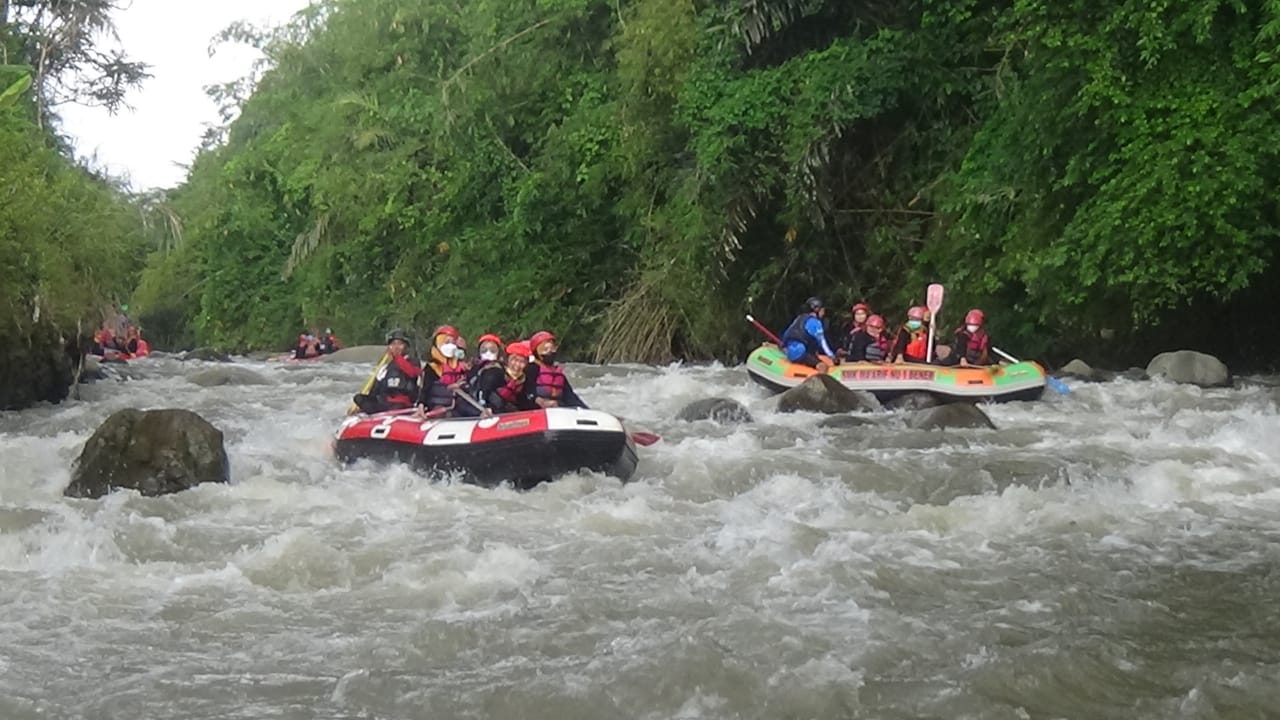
(151, 142)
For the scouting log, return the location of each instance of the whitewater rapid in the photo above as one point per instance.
(1109, 554)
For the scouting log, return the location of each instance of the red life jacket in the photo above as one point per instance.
(917, 345)
(976, 350)
(510, 393)
(439, 395)
(550, 382)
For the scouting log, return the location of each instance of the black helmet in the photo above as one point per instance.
(814, 304)
(398, 335)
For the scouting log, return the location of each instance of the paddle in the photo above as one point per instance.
(368, 384)
(767, 332)
(1050, 380)
(640, 438)
(933, 301)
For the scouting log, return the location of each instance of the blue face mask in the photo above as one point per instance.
(914, 324)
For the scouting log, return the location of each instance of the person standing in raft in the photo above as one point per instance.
(545, 385)
(912, 341)
(869, 344)
(805, 338)
(972, 345)
(444, 373)
(502, 392)
(328, 343)
(396, 385)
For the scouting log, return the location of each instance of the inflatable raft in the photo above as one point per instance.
(523, 448)
(768, 366)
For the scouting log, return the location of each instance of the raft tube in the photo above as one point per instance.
(769, 367)
(522, 448)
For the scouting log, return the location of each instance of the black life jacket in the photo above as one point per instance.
(438, 394)
(393, 388)
(795, 332)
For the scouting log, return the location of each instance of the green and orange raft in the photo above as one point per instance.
(769, 366)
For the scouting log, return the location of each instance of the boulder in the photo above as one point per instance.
(206, 354)
(91, 369)
(954, 415)
(155, 452)
(37, 364)
(721, 410)
(366, 354)
(843, 422)
(913, 401)
(1081, 370)
(261, 355)
(1191, 367)
(230, 375)
(824, 394)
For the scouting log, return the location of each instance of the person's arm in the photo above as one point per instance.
(569, 398)
(813, 326)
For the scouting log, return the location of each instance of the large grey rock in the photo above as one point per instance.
(824, 394)
(913, 401)
(206, 354)
(1081, 370)
(229, 375)
(954, 415)
(1189, 366)
(721, 410)
(357, 354)
(155, 452)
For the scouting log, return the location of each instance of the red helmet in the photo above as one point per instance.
(975, 317)
(861, 306)
(539, 338)
(875, 321)
(449, 330)
(916, 313)
(519, 348)
(489, 337)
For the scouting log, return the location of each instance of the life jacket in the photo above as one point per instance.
(878, 349)
(439, 395)
(550, 382)
(795, 332)
(394, 387)
(328, 344)
(917, 344)
(977, 347)
(510, 392)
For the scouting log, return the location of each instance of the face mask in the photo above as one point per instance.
(448, 350)
(549, 358)
(489, 355)
(972, 328)
(914, 324)
(460, 354)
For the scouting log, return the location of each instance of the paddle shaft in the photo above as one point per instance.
(933, 300)
(767, 332)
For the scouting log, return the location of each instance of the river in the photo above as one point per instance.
(1114, 553)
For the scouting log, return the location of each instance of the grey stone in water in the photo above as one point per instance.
(1134, 373)
(1191, 367)
(721, 410)
(92, 369)
(913, 401)
(155, 452)
(825, 394)
(261, 355)
(845, 421)
(206, 354)
(216, 376)
(1080, 370)
(356, 354)
(954, 415)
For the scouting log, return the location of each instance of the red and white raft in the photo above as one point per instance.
(522, 448)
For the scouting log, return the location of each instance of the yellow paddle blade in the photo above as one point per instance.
(352, 409)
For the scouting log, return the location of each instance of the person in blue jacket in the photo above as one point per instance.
(805, 338)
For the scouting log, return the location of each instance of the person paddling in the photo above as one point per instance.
(545, 384)
(396, 383)
(972, 345)
(805, 338)
(444, 372)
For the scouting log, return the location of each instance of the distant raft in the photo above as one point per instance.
(769, 367)
(522, 448)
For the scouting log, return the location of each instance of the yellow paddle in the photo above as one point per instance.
(352, 409)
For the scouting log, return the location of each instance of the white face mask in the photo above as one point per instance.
(448, 350)
(972, 328)
(489, 355)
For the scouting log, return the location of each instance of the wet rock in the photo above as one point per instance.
(91, 369)
(1081, 370)
(206, 354)
(368, 354)
(825, 394)
(261, 355)
(913, 401)
(155, 452)
(721, 410)
(1133, 373)
(37, 364)
(1188, 366)
(842, 422)
(955, 415)
(218, 376)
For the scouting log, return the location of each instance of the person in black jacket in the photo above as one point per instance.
(396, 384)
